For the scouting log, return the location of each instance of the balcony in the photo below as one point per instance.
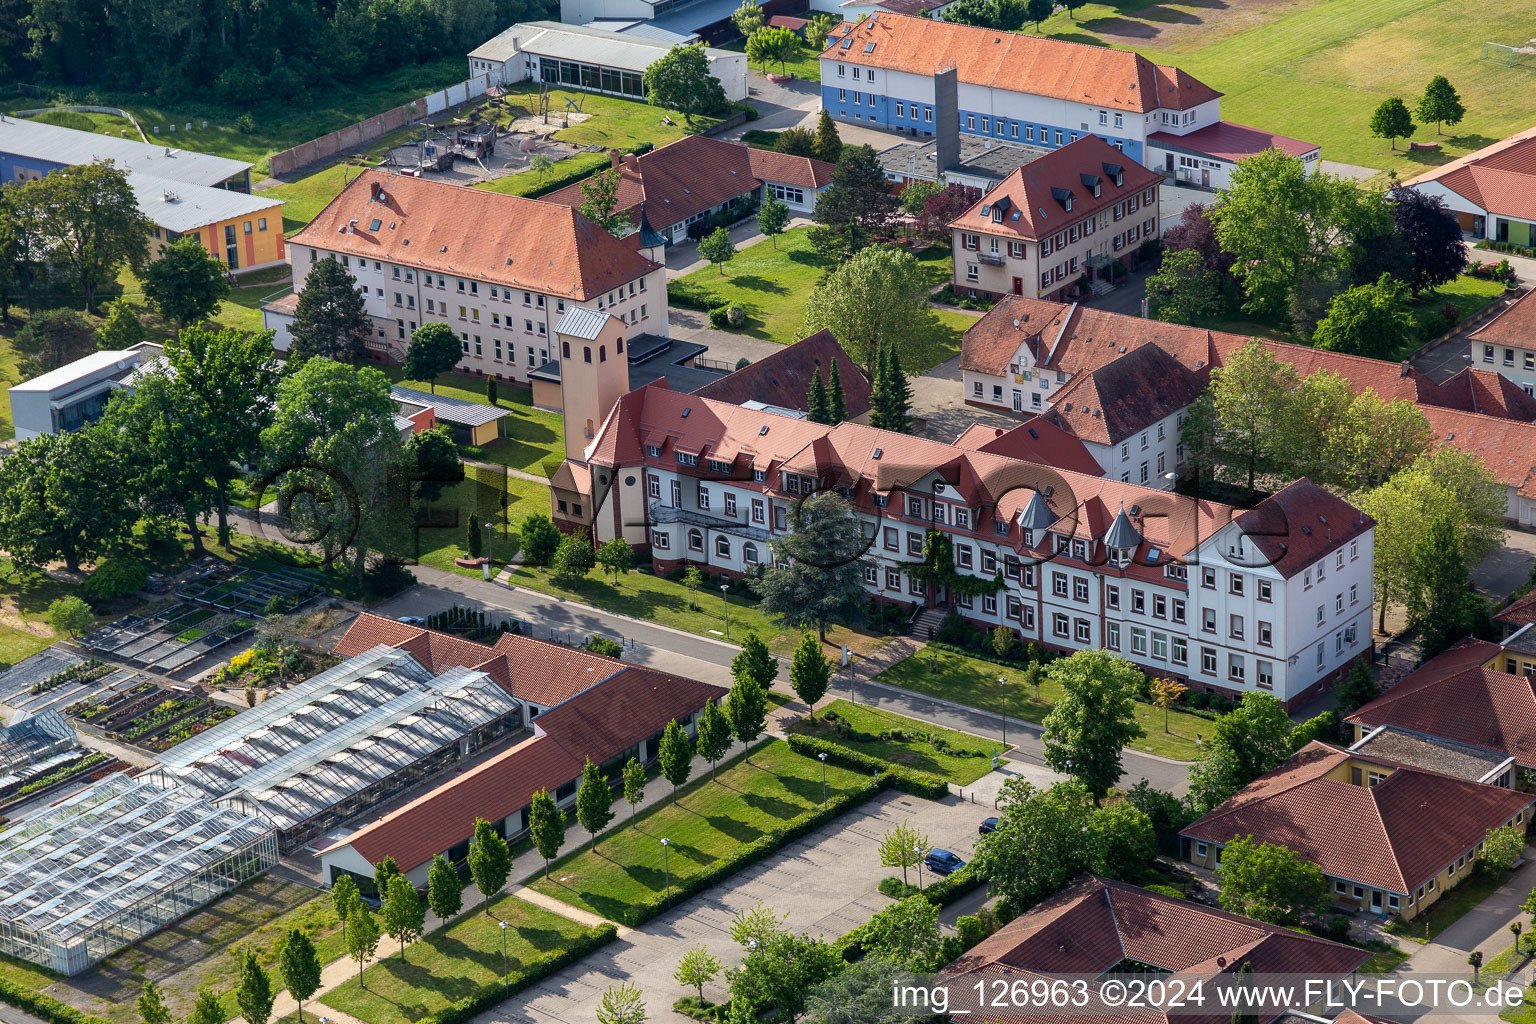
(665, 514)
(991, 259)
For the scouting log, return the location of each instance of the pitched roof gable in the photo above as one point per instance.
(1039, 439)
(1300, 523)
(1110, 403)
(783, 378)
(1497, 178)
(470, 232)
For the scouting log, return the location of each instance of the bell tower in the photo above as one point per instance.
(594, 374)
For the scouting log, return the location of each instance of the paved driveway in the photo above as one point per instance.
(825, 882)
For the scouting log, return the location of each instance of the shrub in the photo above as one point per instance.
(750, 111)
(896, 889)
(1451, 314)
(245, 124)
(758, 137)
(44, 1006)
(1335, 927)
(1166, 890)
(599, 644)
(719, 317)
(735, 315)
(114, 578)
(642, 148)
(954, 629)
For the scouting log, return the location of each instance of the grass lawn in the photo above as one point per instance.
(528, 436)
(438, 541)
(772, 284)
(27, 975)
(1470, 295)
(1316, 69)
(913, 753)
(710, 819)
(974, 683)
(1450, 907)
(1507, 960)
(807, 65)
(452, 963)
(1384, 956)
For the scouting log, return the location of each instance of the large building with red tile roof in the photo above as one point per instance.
(1492, 191)
(1390, 837)
(1095, 926)
(1029, 355)
(1054, 221)
(499, 270)
(576, 705)
(1083, 559)
(687, 181)
(1506, 345)
(1034, 90)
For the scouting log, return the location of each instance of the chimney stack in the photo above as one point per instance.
(1403, 372)
(615, 158)
(946, 119)
(375, 190)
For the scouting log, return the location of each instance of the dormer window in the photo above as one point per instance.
(1064, 197)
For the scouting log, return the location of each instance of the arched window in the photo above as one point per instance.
(586, 353)
(723, 547)
(602, 353)
(566, 346)
(696, 540)
(749, 553)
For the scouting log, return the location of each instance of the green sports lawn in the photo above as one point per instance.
(1316, 69)
(709, 820)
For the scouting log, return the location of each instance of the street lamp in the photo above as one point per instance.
(919, 851)
(666, 860)
(725, 597)
(823, 756)
(485, 567)
(1002, 685)
(503, 957)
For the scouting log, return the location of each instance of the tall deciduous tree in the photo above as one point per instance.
(859, 193)
(344, 896)
(1250, 393)
(151, 1007)
(547, 826)
(434, 349)
(1431, 237)
(634, 786)
(227, 382)
(1391, 121)
(445, 889)
(773, 218)
(1285, 227)
(714, 735)
(53, 338)
(903, 846)
(1269, 882)
(362, 938)
(1245, 743)
(61, 498)
(717, 248)
(1441, 609)
(186, 284)
(681, 81)
(755, 660)
(782, 971)
(329, 320)
(600, 200)
(1440, 104)
(697, 968)
(616, 557)
(1184, 289)
(383, 871)
(621, 1004)
(1094, 718)
(766, 45)
(89, 221)
(748, 18)
(746, 709)
(433, 461)
(810, 672)
(208, 1009)
(300, 966)
(1368, 320)
(675, 756)
(164, 467)
(818, 571)
(490, 861)
(880, 296)
(1196, 229)
(334, 443)
(594, 801)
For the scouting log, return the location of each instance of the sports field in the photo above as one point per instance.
(1315, 69)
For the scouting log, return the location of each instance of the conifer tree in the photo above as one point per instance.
(837, 406)
(816, 401)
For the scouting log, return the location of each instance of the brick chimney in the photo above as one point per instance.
(375, 189)
(615, 158)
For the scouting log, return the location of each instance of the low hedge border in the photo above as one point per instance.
(908, 780)
(850, 945)
(46, 1007)
(750, 853)
(490, 995)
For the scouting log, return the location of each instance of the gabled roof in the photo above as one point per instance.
(1093, 924)
(1113, 402)
(450, 409)
(1395, 835)
(1497, 178)
(1039, 66)
(1520, 612)
(803, 171)
(1472, 389)
(470, 232)
(1228, 141)
(1033, 201)
(1454, 697)
(783, 378)
(1515, 324)
(1039, 439)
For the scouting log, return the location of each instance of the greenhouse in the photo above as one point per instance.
(313, 755)
(114, 863)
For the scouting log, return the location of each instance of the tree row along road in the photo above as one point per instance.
(709, 660)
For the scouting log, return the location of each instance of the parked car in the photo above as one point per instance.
(942, 862)
(411, 620)
(987, 825)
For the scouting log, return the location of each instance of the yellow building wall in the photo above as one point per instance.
(260, 246)
(1513, 663)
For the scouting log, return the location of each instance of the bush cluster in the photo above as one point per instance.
(692, 296)
(114, 578)
(490, 995)
(936, 741)
(46, 1007)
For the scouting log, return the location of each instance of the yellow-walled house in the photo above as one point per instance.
(242, 231)
(1390, 837)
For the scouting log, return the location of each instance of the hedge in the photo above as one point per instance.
(559, 179)
(850, 945)
(750, 853)
(908, 780)
(46, 1007)
(692, 296)
(490, 995)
